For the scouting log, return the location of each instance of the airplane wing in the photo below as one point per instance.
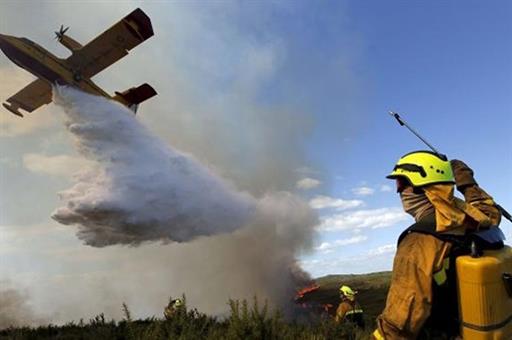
(113, 44)
(32, 96)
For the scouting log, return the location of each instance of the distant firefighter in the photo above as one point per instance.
(349, 309)
(172, 308)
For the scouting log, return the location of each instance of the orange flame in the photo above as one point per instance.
(306, 290)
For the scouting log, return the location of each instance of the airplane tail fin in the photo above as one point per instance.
(134, 96)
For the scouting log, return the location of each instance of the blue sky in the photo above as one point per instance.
(275, 95)
(446, 68)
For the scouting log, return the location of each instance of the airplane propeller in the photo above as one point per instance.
(60, 34)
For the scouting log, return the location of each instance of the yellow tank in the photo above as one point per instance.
(485, 295)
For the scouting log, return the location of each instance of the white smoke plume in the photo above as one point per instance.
(15, 309)
(141, 189)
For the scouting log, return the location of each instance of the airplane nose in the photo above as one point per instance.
(4, 40)
(4, 43)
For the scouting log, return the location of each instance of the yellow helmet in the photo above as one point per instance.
(423, 168)
(348, 292)
(177, 303)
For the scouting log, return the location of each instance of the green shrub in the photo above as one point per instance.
(243, 322)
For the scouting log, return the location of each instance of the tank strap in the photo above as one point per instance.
(427, 225)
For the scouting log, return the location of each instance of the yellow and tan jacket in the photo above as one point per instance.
(346, 308)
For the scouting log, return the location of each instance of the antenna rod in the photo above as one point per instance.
(403, 123)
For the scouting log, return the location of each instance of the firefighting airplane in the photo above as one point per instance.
(77, 70)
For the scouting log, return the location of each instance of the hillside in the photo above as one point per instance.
(372, 290)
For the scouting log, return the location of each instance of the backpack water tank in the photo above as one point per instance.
(485, 295)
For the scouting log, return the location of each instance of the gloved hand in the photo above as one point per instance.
(463, 175)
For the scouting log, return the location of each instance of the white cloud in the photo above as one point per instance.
(386, 188)
(327, 247)
(323, 202)
(371, 218)
(324, 246)
(363, 191)
(376, 259)
(308, 183)
(60, 165)
(382, 250)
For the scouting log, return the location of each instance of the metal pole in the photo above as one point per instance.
(403, 123)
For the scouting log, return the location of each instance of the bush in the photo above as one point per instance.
(243, 322)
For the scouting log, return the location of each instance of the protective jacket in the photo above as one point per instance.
(172, 308)
(421, 259)
(350, 311)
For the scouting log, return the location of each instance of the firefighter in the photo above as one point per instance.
(172, 308)
(425, 182)
(349, 309)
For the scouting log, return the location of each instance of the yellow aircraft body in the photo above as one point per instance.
(77, 70)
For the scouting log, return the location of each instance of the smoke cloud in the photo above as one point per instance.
(15, 309)
(241, 88)
(140, 189)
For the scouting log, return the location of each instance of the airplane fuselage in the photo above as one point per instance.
(44, 65)
(85, 62)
